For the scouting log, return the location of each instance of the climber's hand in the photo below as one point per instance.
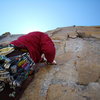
(53, 63)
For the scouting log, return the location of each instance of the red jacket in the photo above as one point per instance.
(37, 43)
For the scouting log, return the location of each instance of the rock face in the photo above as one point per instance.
(6, 37)
(77, 73)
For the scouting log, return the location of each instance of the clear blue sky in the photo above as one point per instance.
(23, 16)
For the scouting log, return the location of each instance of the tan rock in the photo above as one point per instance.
(61, 92)
(89, 31)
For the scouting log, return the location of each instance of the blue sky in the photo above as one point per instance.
(23, 16)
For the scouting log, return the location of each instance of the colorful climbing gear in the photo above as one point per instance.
(14, 69)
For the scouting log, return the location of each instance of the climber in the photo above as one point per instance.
(37, 44)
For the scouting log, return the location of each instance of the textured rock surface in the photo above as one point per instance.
(77, 74)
